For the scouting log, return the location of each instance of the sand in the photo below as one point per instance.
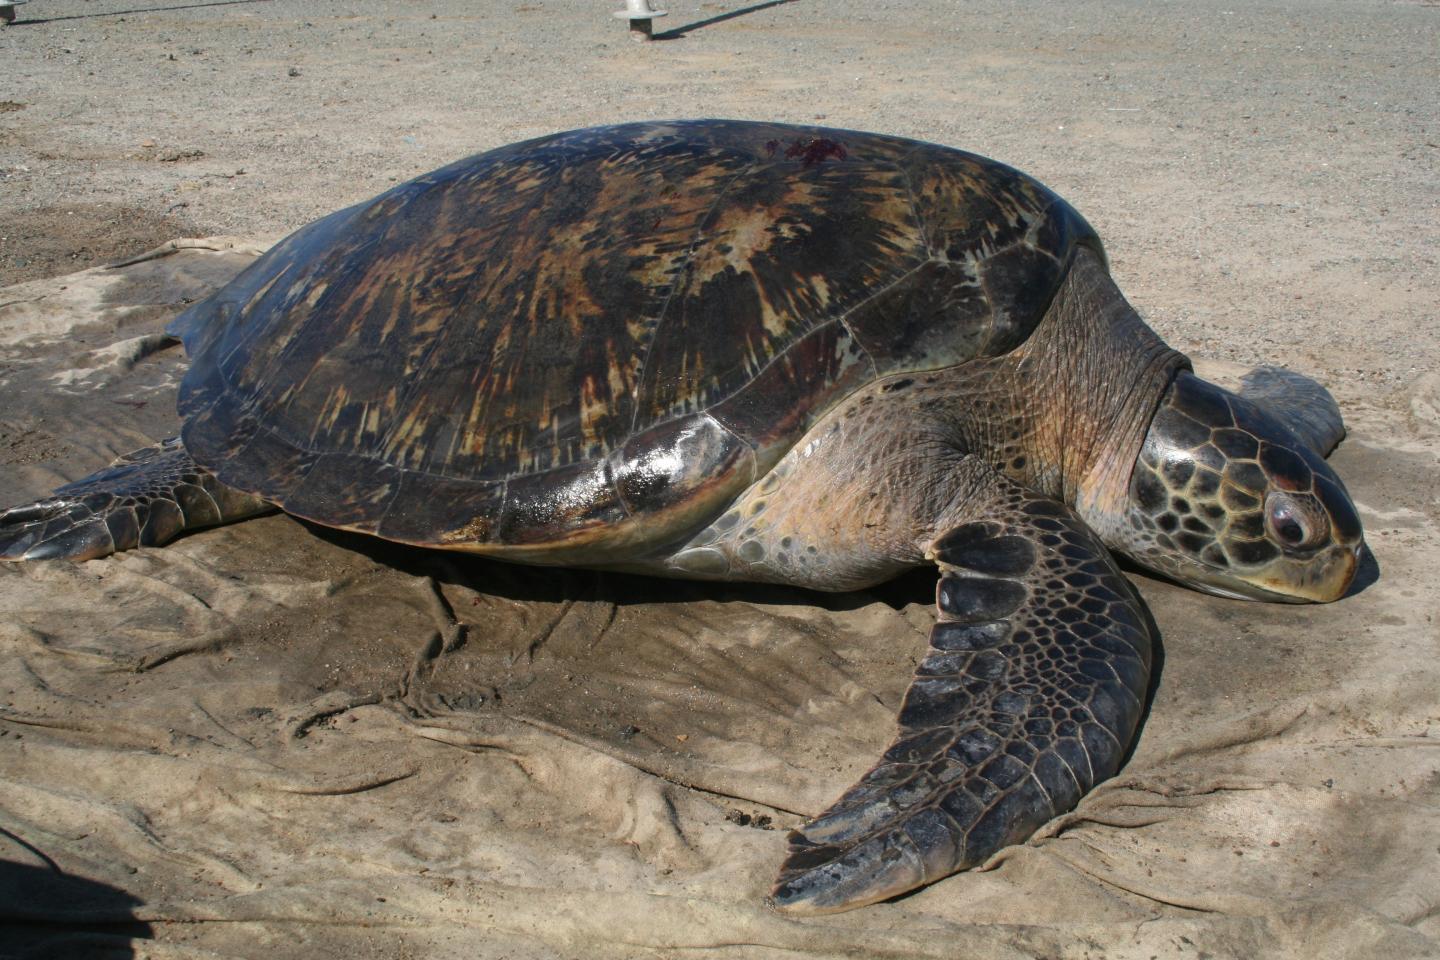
(274, 741)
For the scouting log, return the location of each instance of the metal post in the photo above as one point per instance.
(641, 18)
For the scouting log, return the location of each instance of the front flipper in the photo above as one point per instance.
(146, 498)
(1029, 696)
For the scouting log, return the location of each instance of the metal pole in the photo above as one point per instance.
(641, 18)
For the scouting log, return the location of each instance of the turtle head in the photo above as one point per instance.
(1226, 498)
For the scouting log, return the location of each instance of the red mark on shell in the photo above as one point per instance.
(815, 150)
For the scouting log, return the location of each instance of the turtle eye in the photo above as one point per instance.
(1291, 524)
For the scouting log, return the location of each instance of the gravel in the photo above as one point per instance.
(1265, 175)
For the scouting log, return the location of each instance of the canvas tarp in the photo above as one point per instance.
(274, 740)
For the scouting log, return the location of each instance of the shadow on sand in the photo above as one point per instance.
(45, 912)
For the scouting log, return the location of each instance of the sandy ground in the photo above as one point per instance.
(1265, 178)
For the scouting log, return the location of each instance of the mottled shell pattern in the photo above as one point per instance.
(588, 344)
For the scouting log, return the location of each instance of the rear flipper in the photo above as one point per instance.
(1029, 695)
(146, 498)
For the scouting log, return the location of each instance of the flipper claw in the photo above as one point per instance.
(85, 540)
(840, 879)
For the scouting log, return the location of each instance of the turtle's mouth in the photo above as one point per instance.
(1316, 580)
(1248, 592)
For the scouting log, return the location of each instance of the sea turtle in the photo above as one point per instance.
(744, 351)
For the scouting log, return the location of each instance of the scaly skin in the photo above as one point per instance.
(1226, 498)
(144, 499)
(1038, 665)
(1028, 696)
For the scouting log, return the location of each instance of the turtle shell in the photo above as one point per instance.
(585, 346)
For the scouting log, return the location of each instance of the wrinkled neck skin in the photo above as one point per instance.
(1066, 413)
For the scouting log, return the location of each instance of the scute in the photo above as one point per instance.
(505, 336)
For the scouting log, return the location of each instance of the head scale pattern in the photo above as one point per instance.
(1226, 497)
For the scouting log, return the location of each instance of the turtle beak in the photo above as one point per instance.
(1330, 579)
(1320, 580)
(1346, 573)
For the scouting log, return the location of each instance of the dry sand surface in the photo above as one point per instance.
(272, 741)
